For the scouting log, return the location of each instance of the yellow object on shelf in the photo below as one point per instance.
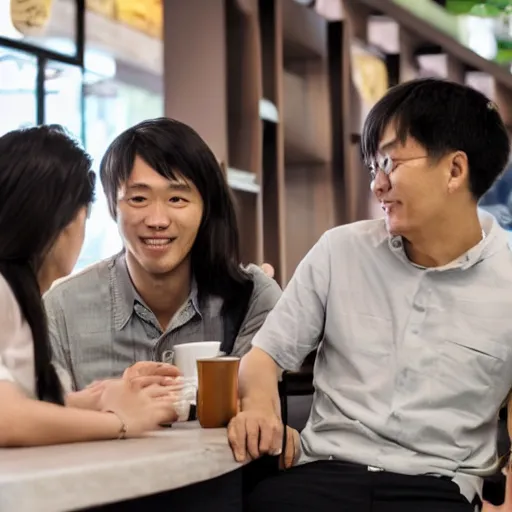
(144, 15)
(370, 77)
(104, 7)
(30, 17)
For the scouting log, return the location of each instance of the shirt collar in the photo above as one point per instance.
(495, 239)
(125, 296)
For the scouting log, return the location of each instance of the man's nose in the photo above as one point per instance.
(381, 184)
(158, 217)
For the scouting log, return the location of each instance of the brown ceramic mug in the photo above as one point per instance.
(217, 394)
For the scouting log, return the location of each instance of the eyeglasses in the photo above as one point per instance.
(386, 164)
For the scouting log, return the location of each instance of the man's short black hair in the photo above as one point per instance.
(443, 116)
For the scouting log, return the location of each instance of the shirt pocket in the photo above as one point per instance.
(471, 359)
(474, 349)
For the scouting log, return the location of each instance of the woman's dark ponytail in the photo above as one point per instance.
(22, 280)
(45, 179)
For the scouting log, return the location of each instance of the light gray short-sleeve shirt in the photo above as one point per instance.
(413, 363)
(99, 325)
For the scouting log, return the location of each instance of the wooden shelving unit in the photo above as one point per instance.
(212, 82)
(274, 246)
(256, 86)
(270, 86)
(422, 49)
(307, 129)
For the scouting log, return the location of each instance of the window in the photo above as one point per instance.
(18, 98)
(111, 107)
(48, 24)
(63, 96)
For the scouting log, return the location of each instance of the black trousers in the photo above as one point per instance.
(334, 486)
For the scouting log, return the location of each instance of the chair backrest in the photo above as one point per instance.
(297, 384)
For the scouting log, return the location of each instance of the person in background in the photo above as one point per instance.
(411, 317)
(46, 188)
(179, 278)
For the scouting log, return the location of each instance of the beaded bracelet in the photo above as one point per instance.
(123, 430)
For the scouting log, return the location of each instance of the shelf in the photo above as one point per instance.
(425, 31)
(243, 180)
(304, 32)
(266, 100)
(248, 216)
(268, 111)
(243, 91)
(273, 199)
(270, 50)
(383, 33)
(304, 123)
(309, 210)
(116, 39)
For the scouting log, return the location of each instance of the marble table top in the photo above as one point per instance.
(69, 477)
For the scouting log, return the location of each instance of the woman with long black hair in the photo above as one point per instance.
(46, 188)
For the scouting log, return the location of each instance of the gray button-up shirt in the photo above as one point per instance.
(413, 363)
(99, 325)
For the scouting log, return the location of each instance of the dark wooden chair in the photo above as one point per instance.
(293, 385)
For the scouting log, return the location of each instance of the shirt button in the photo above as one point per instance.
(419, 307)
(414, 330)
(168, 356)
(396, 243)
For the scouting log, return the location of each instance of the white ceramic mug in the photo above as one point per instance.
(185, 356)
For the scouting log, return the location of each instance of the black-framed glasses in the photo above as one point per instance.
(386, 164)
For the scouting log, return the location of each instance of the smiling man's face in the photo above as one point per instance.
(158, 219)
(415, 192)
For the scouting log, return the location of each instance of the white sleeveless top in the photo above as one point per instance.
(16, 346)
(16, 349)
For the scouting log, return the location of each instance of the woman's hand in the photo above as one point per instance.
(88, 398)
(153, 370)
(141, 409)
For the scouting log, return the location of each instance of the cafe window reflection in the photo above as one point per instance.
(18, 99)
(95, 85)
(63, 96)
(111, 105)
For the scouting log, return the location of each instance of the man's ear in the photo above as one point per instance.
(459, 170)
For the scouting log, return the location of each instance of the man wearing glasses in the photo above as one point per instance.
(411, 318)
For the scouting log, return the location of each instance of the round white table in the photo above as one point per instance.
(84, 475)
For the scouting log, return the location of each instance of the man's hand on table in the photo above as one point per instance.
(254, 433)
